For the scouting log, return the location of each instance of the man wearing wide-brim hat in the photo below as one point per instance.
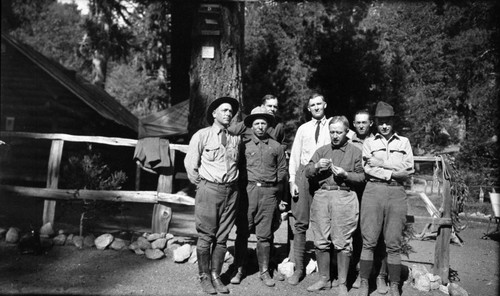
(212, 164)
(264, 167)
(388, 163)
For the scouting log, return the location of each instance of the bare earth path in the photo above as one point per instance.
(66, 270)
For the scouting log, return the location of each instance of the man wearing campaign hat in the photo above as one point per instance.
(388, 163)
(263, 169)
(212, 165)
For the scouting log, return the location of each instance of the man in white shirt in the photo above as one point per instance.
(310, 136)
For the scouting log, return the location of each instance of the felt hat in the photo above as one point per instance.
(384, 110)
(259, 112)
(217, 102)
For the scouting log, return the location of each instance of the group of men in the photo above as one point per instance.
(338, 181)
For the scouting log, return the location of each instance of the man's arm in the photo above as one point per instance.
(375, 171)
(281, 162)
(193, 158)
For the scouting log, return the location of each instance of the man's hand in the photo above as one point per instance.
(339, 172)
(373, 161)
(283, 206)
(323, 164)
(294, 189)
(400, 175)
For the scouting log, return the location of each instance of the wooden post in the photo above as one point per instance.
(49, 206)
(161, 213)
(442, 249)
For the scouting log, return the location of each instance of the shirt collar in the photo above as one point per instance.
(394, 136)
(256, 140)
(217, 128)
(322, 120)
(341, 148)
(355, 138)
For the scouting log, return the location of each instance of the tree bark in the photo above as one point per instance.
(219, 76)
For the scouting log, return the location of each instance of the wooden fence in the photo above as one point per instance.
(164, 193)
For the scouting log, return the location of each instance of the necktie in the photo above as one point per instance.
(223, 138)
(316, 135)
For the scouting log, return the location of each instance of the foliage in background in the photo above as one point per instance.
(88, 171)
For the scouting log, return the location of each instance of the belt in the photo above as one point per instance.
(335, 187)
(220, 184)
(263, 184)
(388, 183)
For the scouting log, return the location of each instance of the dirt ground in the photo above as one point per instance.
(65, 270)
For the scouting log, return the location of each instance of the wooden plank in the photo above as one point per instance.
(442, 247)
(111, 195)
(49, 206)
(162, 214)
(426, 158)
(426, 220)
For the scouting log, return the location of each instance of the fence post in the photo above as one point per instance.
(162, 214)
(442, 248)
(49, 206)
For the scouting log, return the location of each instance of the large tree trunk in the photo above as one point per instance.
(211, 78)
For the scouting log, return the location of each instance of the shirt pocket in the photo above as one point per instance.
(251, 158)
(269, 158)
(210, 153)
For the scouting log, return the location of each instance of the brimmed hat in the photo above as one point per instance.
(384, 110)
(259, 112)
(217, 102)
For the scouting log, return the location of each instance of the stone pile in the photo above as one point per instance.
(421, 279)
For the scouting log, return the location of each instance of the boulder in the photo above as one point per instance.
(133, 246)
(78, 241)
(60, 239)
(182, 253)
(159, 243)
(138, 251)
(69, 239)
(46, 230)
(311, 266)
(169, 236)
(103, 241)
(455, 290)
(286, 267)
(89, 241)
(143, 243)
(418, 270)
(12, 235)
(154, 236)
(118, 244)
(422, 283)
(154, 254)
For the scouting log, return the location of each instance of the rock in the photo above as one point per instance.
(78, 241)
(139, 251)
(182, 253)
(118, 244)
(46, 230)
(154, 254)
(61, 231)
(12, 235)
(286, 268)
(444, 289)
(103, 241)
(169, 236)
(311, 266)
(143, 243)
(154, 236)
(422, 283)
(133, 246)
(69, 239)
(456, 290)
(60, 239)
(173, 247)
(3, 231)
(418, 270)
(435, 281)
(89, 241)
(159, 243)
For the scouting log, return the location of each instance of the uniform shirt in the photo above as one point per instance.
(208, 159)
(396, 154)
(265, 160)
(359, 142)
(304, 145)
(346, 156)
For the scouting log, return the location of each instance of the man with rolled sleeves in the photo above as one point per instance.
(388, 163)
(335, 171)
(310, 136)
(263, 168)
(212, 165)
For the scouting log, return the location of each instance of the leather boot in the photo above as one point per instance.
(363, 287)
(204, 271)
(263, 252)
(217, 261)
(299, 245)
(323, 259)
(395, 289)
(343, 260)
(240, 255)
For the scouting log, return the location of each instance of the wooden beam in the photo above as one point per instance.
(442, 247)
(49, 206)
(427, 220)
(104, 195)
